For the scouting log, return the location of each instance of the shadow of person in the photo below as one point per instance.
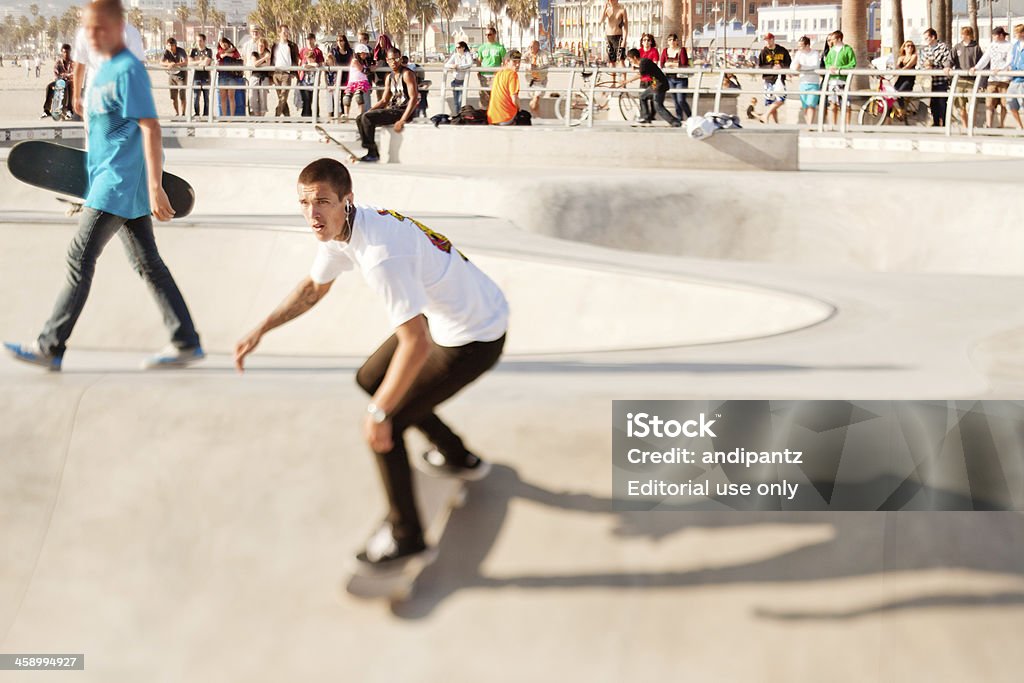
(860, 544)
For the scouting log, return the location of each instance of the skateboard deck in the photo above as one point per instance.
(327, 137)
(62, 170)
(437, 497)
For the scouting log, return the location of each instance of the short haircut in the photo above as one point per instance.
(65, 46)
(394, 52)
(111, 8)
(1019, 28)
(633, 53)
(930, 32)
(804, 40)
(201, 36)
(330, 172)
(967, 31)
(363, 35)
(311, 36)
(838, 34)
(172, 41)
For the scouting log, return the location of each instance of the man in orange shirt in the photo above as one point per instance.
(504, 104)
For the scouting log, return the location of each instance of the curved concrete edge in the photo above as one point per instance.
(233, 278)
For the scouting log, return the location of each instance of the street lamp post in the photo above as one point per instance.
(717, 9)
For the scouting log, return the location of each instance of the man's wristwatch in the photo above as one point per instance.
(376, 414)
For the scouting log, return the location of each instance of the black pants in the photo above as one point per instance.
(306, 96)
(201, 89)
(367, 124)
(653, 100)
(447, 370)
(938, 105)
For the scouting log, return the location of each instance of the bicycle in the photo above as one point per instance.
(888, 106)
(577, 108)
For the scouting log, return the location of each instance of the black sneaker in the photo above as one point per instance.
(370, 158)
(385, 554)
(434, 463)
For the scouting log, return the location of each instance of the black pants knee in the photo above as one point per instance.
(367, 124)
(446, 371)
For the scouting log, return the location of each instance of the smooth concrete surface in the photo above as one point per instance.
(657, 147)
(192, 525)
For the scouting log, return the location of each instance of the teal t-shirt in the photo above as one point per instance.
(119, 95)
(491, 54)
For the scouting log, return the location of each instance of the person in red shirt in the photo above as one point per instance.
(311, 57)
(674, 57)
(648, 50)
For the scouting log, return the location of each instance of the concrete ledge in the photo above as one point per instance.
(656, 147)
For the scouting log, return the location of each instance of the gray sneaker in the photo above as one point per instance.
(435, 464)
(172, 357)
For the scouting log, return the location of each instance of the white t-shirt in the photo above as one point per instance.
(283, 55)
(997, 57)
(83, 54)
(417, 271)
(806, 63)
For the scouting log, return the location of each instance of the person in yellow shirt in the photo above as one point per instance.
(504, 104)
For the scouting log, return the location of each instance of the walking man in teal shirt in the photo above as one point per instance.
(839, 58)
(125, 166)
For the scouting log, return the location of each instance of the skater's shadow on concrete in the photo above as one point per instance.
(577, 367)
(860, 544)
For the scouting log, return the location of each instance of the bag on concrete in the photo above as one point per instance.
(468, 116)
(700, 128)
(523, 118)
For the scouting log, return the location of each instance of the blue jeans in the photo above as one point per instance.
(682, 106)
(457, 86)
(95, 229)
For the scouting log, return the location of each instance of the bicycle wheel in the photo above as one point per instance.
(629, 105)
(873, 112)
(575, 109)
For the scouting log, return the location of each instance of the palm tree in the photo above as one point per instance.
(448, 8)
(897, 25)
(203, 8)
(672, 20)
(135, 18)
(855, 34)
(157, 28)
(496, 7)
(972, 12)
(354, 14)
(217, 21)
(522, 13)
(33, 10)
(183, 13)
(427, 12)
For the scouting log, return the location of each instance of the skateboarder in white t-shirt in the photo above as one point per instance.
(449, 320)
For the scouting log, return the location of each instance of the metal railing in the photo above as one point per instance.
(703, 83)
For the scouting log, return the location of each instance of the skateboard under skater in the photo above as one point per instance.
(438, 497)
(63, 170)
(327, 137)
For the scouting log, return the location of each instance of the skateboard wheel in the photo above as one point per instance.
(460, 499)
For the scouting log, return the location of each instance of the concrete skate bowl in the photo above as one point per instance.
(232, 278)
(244, 248)
(845, 221)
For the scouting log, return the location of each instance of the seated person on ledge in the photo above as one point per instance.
(504, 104)
(397, 105)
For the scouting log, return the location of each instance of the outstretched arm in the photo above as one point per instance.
(303, 298)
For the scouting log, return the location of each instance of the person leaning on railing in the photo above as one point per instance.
(966, 55)
(1015, 93)
(259, 80)
(175, 57)
(936, 55)
(311, 58)
(285, 58)
(200, 58)
(460, 61)
(228, 81)
(674, 57)
(996, 59)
